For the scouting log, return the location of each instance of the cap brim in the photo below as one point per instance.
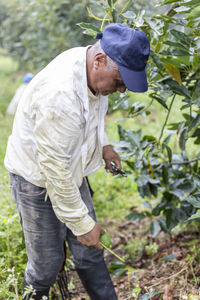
(134, 81)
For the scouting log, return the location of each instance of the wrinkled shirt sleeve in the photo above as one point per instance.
(57, 132)
(105, 139)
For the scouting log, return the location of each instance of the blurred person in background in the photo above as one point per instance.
(12, 107)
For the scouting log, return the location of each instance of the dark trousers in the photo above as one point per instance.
(45, 234)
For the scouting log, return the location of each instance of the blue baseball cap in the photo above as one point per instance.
(28, 77)
(129, 48)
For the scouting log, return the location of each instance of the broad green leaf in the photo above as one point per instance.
(194, 14)
(88, 26)
(129, 15)
(169, 257)
(194, 217)
(157, 210)
(169, 151)
(165, 174)
(146, 204)
(181, 36)
(117, 273)
(134, 137)
(176, 45)
(183, 138)
(135, 216)
(160, 100)
(196, 132)
(156, 60)
(110, 3)
(140, 21)
(174, 72)
(150, 295)
(116, 265)
(182, 9)
(178, 89)
(155, 228)
(193, 201)
(105, 239)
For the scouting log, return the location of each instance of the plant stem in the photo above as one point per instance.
(184, 162)
(170, 107)
(113, 253)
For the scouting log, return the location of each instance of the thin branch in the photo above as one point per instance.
(184, 162)
(166, 120)
(174, 275)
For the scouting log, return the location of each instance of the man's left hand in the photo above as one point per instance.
(109, 155)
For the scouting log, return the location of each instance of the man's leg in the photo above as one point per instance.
(44, 235)
(89, 262)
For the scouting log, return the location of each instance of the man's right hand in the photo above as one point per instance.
(91, 239)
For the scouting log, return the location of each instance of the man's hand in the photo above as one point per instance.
(91, 239)
(110, 155)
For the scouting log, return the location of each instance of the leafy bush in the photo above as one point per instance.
(174, 75)
(34, 32)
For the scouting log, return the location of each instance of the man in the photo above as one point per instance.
(58, 139)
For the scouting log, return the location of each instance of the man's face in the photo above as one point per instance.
(105, 79)
(109, 81)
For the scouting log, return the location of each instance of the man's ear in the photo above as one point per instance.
(99, 60)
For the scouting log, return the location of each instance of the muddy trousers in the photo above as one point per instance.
(44, 238)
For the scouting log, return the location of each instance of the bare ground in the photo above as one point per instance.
(173, 270)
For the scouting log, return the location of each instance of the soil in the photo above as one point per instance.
(173, 270)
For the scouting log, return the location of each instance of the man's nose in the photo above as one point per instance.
(122, 89)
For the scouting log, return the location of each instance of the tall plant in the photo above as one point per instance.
(174, 74)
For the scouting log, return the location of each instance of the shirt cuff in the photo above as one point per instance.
(85, 225)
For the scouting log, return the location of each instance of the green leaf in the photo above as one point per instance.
(194, 217)
(193, 201)
(150, 295)
(178, 89)
(156, 60)
(135, 216)
(146, 204)
(157, 210)
(155, 228)
(181, 36)
(105, 239)
(174, 72)
(176, 45)
(116, 265)
(169, 257)
(160, 100)
(169, 152)
(110, 3)
(134, 137)
(165, 174)
(183, 138)
(194, 14)
(129, 15)
(119, 272)
(170, 1)
(89, 29)
(182, 9)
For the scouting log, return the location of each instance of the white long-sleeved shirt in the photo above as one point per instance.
(55, 141)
